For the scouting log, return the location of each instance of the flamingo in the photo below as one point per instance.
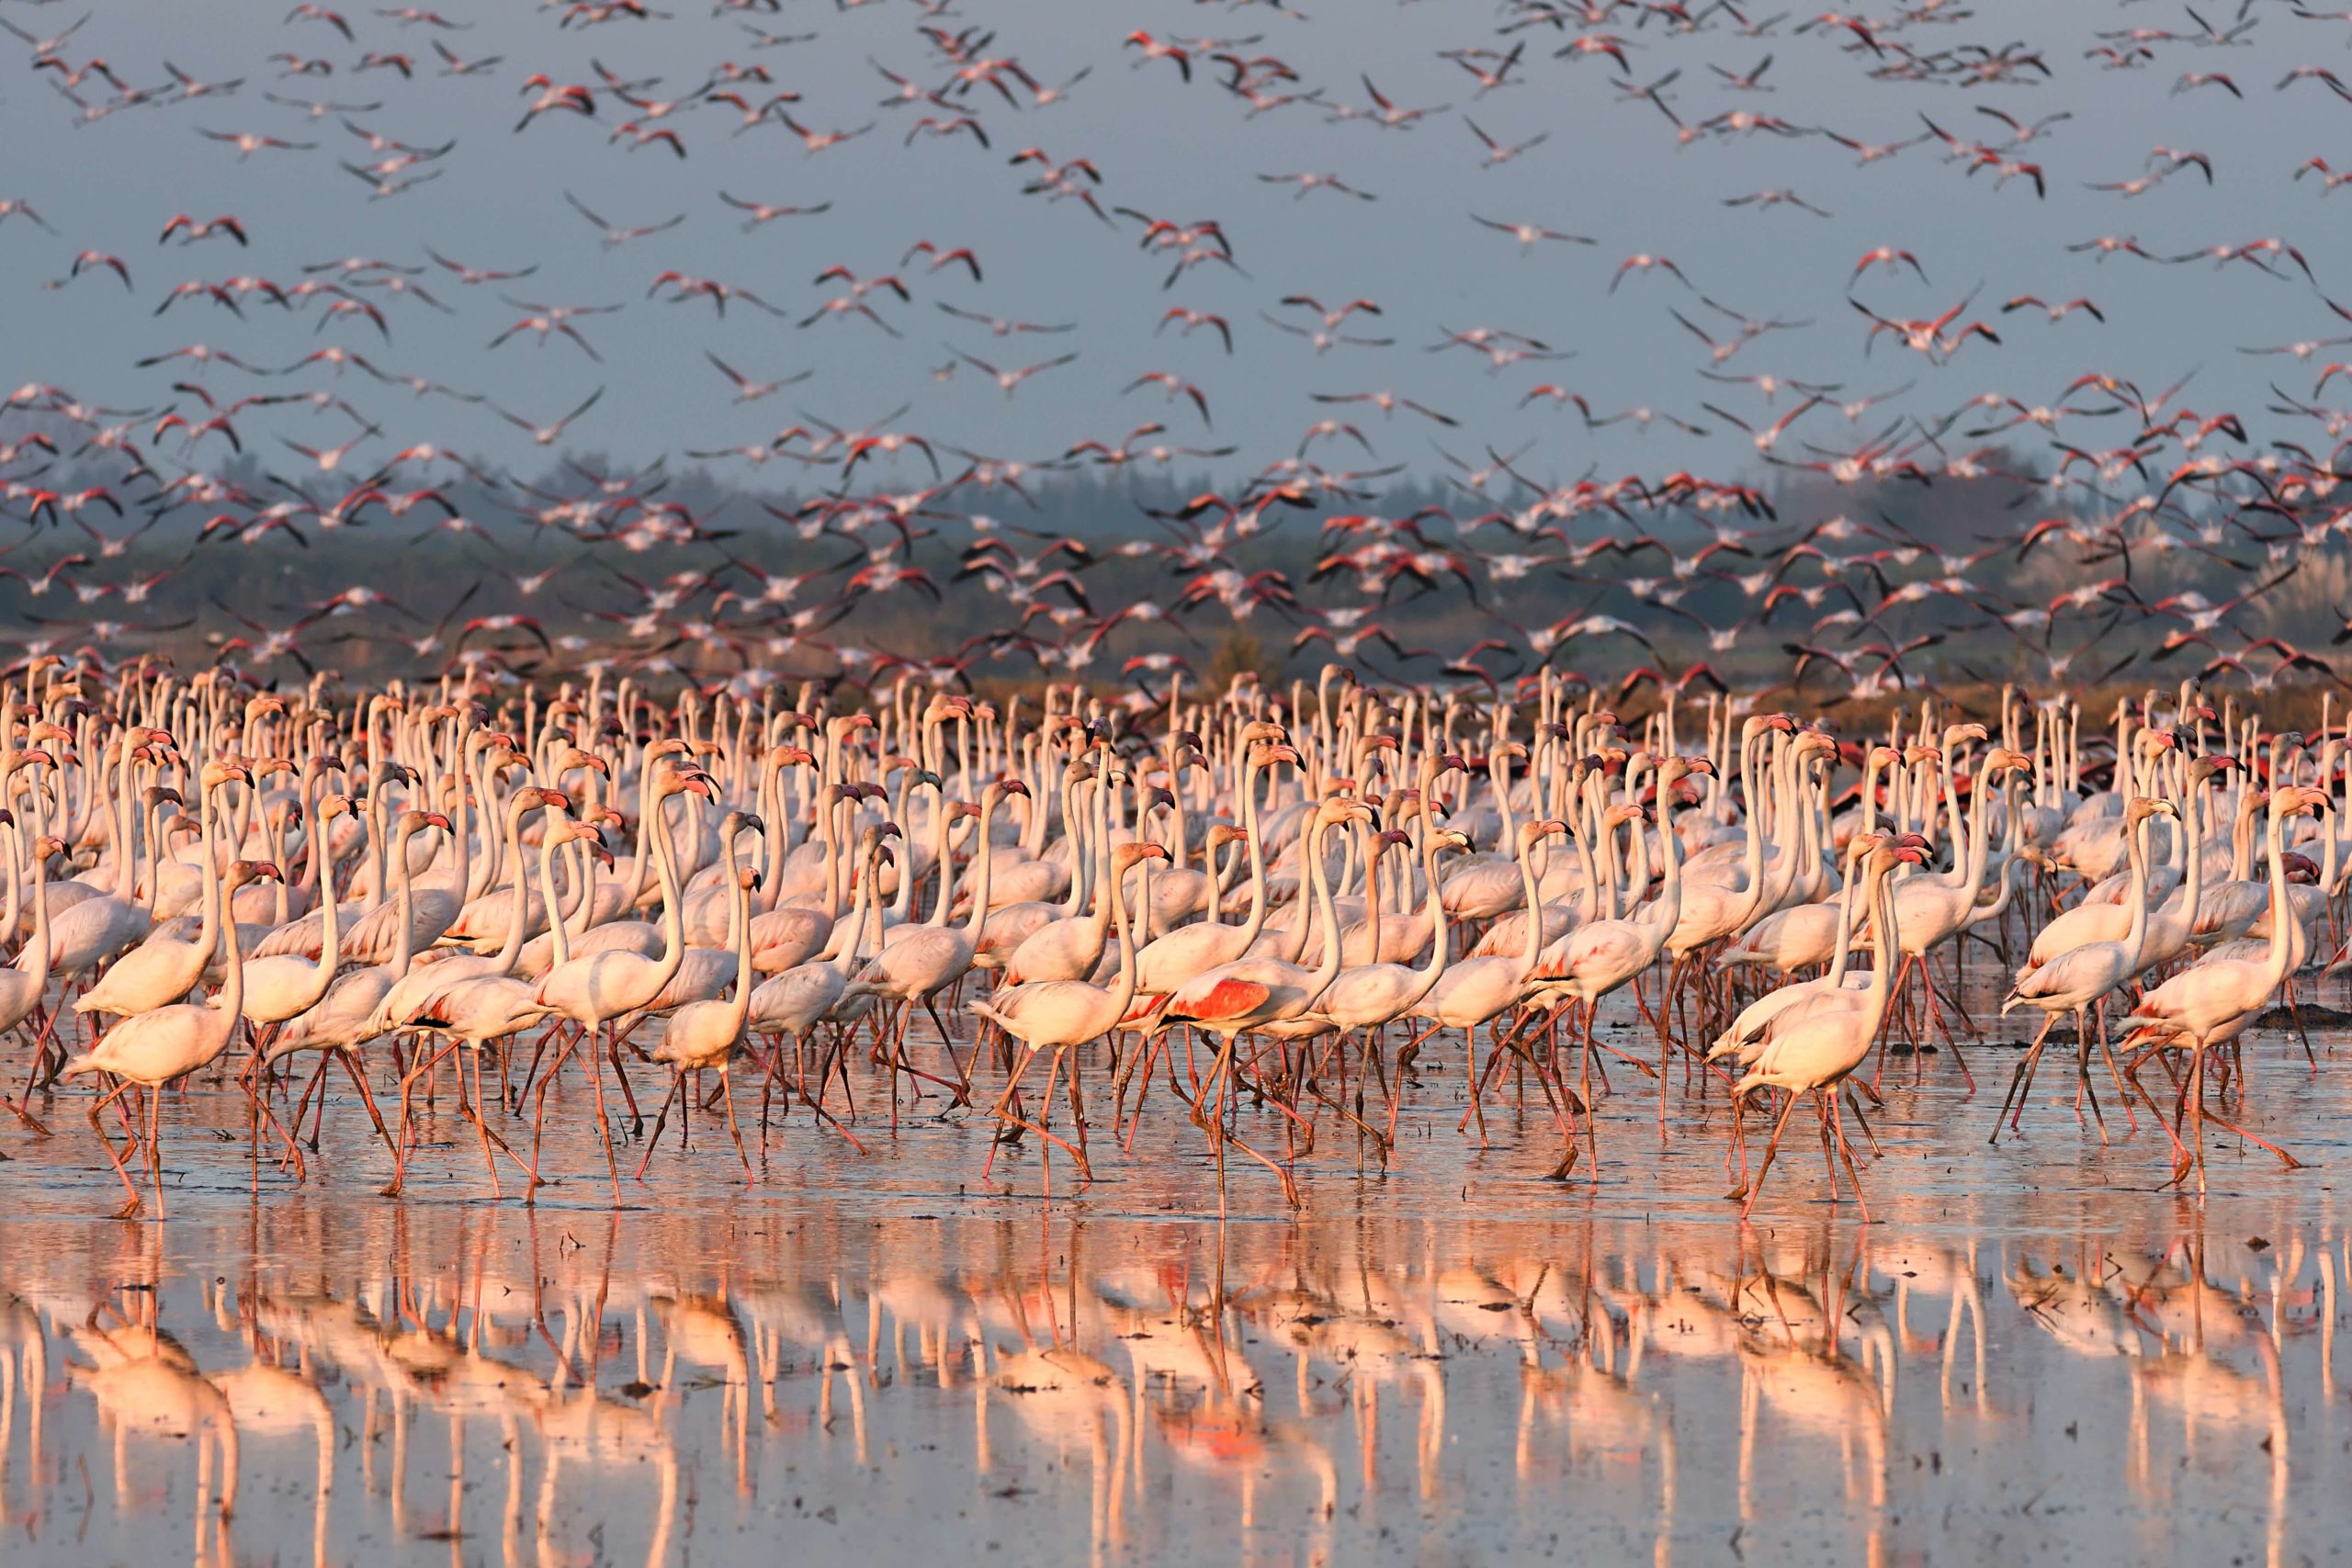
(1813, 1047)
(927, 959)
(1060, 1014)
(591, 990)
(24, 981)
(704, 1034)
(473, 1009)
(1167, 961)
(1599, 956)
(1228, 999)
(151, 1049)
(2082, 980)
(2210, 1003)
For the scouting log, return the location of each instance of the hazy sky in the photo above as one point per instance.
(1611, 169)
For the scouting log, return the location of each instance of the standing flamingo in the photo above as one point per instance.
(1057, 1015)
(1815, 1045)
(2210, 1003)
(705, 1034)
(2082, 980)
(150, 1049)
(591, 990)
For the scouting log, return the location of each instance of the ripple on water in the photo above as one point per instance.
(2032, 1352)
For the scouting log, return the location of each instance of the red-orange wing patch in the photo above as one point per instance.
(1229, 998)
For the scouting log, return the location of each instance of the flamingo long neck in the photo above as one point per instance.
(2192, 835)
(228, 1003)
(1374, 853)
(14, 910)
(845, 955)
(1580, 816)
(1849, 904)
(208, 932)
(126, 859)
(1255, 923)
(673, 924)
(330, 927)
(2013, 866)
(1531, 949)
(740, 912)
(2282, 908)
(512, 948)
(983, 863)
(559, 938)
(648, 822)
(1097, 853)
(2242, 839)
(828, 811)
(34, 959)
(1122, 989)
(1971, 877)
(1612, 872)
(1328, 970)
(778, 843)
(904, 900)
(463, 816)
(1753, 895)
(1434, 965)
(1884, 937)
(404, 906)
(1787, 803)
(1750, 806)
(2136, 938)
(1667, 907)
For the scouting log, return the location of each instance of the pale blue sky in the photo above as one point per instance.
(1611, 169)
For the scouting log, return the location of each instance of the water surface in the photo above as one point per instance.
(2030, 1352)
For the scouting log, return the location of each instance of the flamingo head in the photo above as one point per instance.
(245, 871)
(1127, 855)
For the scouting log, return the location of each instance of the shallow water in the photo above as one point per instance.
(2031, 1351)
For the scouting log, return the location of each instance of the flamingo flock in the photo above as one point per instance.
(421, 686)
(1284, 915)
